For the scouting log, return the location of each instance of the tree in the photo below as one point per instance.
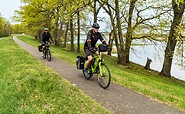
(120, 35)
(178, 11)
(66, 32)
(57, 18)
(129, 30)
(110, 10)
(78, 21)
(72, 33)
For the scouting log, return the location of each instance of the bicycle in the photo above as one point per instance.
(98, 66)
(47, 51)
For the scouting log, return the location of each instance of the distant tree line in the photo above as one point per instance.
(5, 27)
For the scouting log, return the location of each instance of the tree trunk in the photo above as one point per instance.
(129, 31)
(116, 38)
(110, 43)
(72, 34)
(148, 62)
(172, 39)
(95, 12)
(57, 42)
(78, 21)
(111, 39)
(66, 32)
(61, 32)
(127, 47)
(38, 33)
(121, 51)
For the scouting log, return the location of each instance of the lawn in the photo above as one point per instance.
(170, 91)
(28, 86)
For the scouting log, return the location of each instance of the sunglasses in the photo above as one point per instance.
(97, 28)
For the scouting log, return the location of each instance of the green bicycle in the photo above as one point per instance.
(98, 66)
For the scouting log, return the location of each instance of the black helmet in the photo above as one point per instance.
(96, 25)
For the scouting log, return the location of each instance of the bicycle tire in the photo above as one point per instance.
(101, 79)
(45, 53)
(49, 55)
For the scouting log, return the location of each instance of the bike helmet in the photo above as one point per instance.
(96, 25)
(46, 29)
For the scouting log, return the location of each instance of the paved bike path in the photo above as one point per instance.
(116, 99)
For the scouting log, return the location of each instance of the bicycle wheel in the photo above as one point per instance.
(104, 76)
(87, 77)
(45, 53)
(49, 55)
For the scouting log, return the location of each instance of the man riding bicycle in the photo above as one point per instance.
(45, 38)
(92, 38)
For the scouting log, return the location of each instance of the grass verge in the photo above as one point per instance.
(28, 86)
(169, 91)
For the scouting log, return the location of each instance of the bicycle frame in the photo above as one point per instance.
(97, 63)
(46, 46)
(47, 51)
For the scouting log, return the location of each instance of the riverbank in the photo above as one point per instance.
(156, 52)
(169, 91)
(28, 86)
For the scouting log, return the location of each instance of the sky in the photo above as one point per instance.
(7, 8)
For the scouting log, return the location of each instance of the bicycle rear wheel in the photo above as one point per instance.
(49, 55)
(104, 76)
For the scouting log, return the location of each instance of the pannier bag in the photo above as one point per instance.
(40, 48)
(103, 48)
(80, 61)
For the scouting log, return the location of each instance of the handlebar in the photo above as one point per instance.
(94, 50)
(47, 42)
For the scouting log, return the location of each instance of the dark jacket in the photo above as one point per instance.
(92, 39)
(45, 37)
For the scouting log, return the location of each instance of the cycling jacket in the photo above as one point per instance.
(92, 39)
(45, 37)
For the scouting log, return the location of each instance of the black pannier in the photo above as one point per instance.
(103, 48)
(40, 48)
(80, 61)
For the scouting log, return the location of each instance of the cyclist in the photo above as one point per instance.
(45, 38)
(92, 38)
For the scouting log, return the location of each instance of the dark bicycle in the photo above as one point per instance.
(96, 66)
(47, 51)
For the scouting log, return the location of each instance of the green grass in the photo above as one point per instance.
(28, 86)
(169, 91)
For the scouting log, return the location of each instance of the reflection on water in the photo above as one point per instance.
(155, 52)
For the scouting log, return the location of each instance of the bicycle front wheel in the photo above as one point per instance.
(104, 76)
(49, 55)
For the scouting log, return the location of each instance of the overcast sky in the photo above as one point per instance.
(7, 7)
